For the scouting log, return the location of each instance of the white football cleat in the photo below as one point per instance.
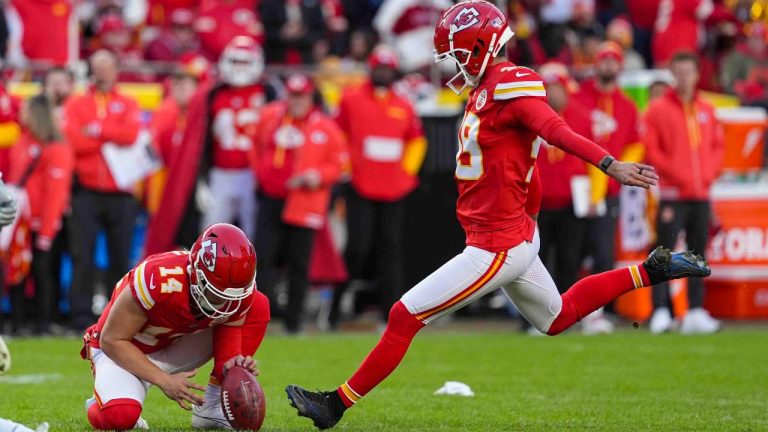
(210, 415)
(42, 427)
(596, 323)
(661, 321)
(5, 358)
(699, 321)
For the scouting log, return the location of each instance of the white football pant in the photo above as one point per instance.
(233, 198)
(113, 382)
(476, 272)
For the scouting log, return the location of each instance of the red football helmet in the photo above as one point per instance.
(242, 62)
(470, 33)
(223, 270)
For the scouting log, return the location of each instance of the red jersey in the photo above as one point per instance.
(678, 27)
(160, 286)
(219, 21)
(499, 141)
(235, 117)
(54, 43)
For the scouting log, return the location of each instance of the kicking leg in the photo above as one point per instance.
(118, 396)
(465, 278)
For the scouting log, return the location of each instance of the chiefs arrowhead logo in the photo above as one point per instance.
(207, 255)
(465, 19)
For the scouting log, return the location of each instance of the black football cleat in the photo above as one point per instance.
(663, 265)
(317, 406)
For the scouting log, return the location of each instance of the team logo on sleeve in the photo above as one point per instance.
(207, 255)
(465, 19)
(481, 99)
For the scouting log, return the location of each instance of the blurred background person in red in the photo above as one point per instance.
(298, 158)
(92, 120)
(619, 30)
(176, 41)
(684, 143)
(218, 22)
(295, 31)
(42, 31)
(561, 231)
(679, 27)
(213, 181)
(750, 54)
(614, 126)
(387, 147)
(57, 86)
(42, 166)
(170, 120)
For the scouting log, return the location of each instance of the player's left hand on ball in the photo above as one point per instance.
(246, 362)
(633, 174)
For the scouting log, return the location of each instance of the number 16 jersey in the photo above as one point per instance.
(496, 159)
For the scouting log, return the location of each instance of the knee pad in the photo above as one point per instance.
(117, 414)
(402, 323)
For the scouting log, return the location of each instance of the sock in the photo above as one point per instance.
(212, 392)
(593, 292)
(384, 358)
(9, 426)
(117, 414)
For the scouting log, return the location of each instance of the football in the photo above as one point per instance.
(242, 399)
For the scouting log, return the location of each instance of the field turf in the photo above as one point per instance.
(629, 381)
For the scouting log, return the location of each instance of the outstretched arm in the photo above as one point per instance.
(538, 116)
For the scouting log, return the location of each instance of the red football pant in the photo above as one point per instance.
(580, 300)
(117, 414)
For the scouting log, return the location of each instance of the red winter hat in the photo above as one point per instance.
(383, 55)
(610, 49)
(298, 83)
(110, 23)
(182, 17)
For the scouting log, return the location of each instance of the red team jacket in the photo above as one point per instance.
(499, 138)
(115, 118)
(685, 145)
(160, 286)
(235, 116)
(48, 186)
(559, 167)
(167, 126)
(46, 30)
(380, 128)
(288, 146)
(614, 122)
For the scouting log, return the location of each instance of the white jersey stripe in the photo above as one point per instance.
(142, 293)
(517, 94)
(517, 84)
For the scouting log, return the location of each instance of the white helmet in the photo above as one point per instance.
(242, 62)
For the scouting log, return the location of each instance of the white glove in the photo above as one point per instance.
(203, 196)
(7, 205)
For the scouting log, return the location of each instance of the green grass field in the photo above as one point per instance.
(629, 381)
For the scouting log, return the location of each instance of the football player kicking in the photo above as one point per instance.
(169, 316)
(499, 140)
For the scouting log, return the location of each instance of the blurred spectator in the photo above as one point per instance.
(116, 36)
(679, 27)
(619, 30)
(685, 144)
(408, 26)
(584, 52)
(57, 86)
(642, 15)
(9, 124)
(213, 182)
(525, 48)
(614, 126)
(220, 21)
(160, 12)
(754, 90)
(295, 31)
(562, 233)
(42, 31)
(92, 120)
(361, 43)
(387, 147)
(170, 120)
(739, 64)
(298, 158)
(42, 165)
(657, 89)
(177, 40)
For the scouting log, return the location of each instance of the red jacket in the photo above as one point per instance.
(677, 27)
(286, 147)
(46, 30)
(614, 125)
(48, 186)
(386, 142)
(685, 145)
(91, 120)
(167, 126)
(557, 167)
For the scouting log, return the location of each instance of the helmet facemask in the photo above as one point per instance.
(240, 67)
(212, 301)
(462, 57)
